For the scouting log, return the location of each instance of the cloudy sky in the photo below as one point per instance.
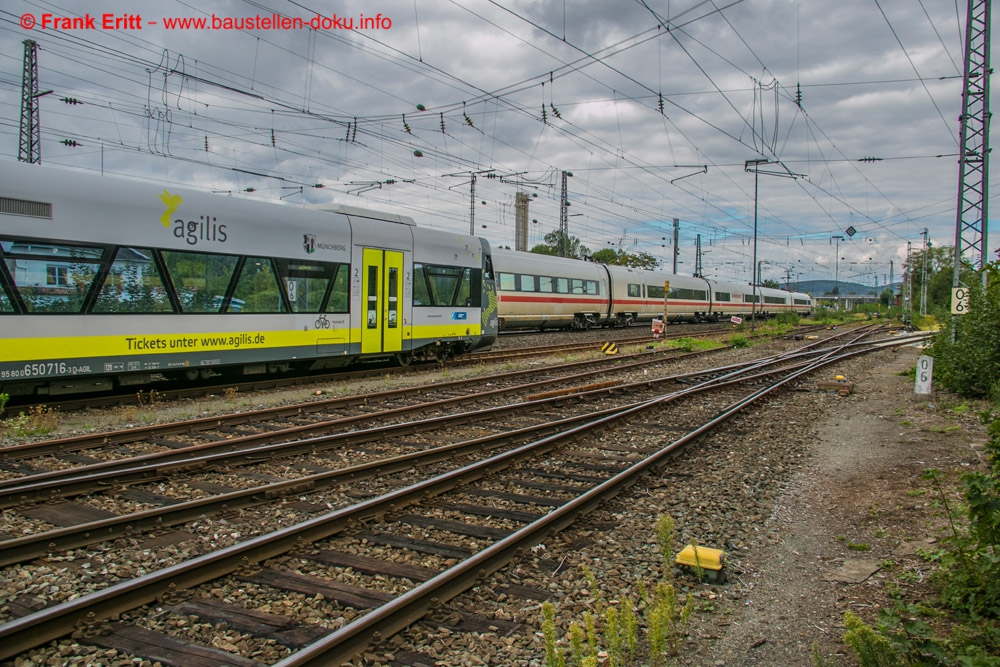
(397, 111)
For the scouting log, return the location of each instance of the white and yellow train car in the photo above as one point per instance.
(108, 281)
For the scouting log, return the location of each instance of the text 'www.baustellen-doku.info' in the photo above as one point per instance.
(113, 21)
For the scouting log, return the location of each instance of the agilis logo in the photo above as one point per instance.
(309, 243)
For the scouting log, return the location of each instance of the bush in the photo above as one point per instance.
(970, 365)
(739, 341)
(823, 315)
(787, 318)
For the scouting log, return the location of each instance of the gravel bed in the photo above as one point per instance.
(720, 492)
(719, 517)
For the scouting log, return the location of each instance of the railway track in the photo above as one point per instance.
(556, 464)
(149, 452)
(219, 385)
(136, 479)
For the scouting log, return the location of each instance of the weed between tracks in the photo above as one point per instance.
(643, 628)
(39, 420)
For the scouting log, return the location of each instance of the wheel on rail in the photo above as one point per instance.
(404, 358)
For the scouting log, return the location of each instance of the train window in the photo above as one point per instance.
(775, 300)
(689, 294)
(507, 282)
(422, 293)
(463, 295)
(392, 293)
(749, 298)
(51, 278)
(475, 291)
(373, 297)
(339, 294)
(654, 291)
(577, 286)
(133, 285)
(591, 287)
(633, 290)
(445, 283)
(801, 302)
(305, 283)
(258, 287)
(448, 285)
(545, 284)
(723, 296)
(201, 279)
(526, 283)
(562, 285)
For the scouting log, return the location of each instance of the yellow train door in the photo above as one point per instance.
(382, 297)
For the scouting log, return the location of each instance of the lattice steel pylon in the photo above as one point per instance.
(564, 215)
(971, 233)
(30, 144)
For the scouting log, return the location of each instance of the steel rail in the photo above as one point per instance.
(243, 451)
(33, 546)
(395, 615)
(128, 435)
(292, 380)
(29, 631)
(123, 436)
(134, 434)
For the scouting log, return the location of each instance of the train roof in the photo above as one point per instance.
(359, 212)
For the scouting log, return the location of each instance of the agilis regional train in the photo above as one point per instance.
(109, 282)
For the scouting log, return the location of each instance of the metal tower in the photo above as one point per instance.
(564, 215)
(697, 257)
(973, 172)
(30, 145)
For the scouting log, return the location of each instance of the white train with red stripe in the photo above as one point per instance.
(541, 291)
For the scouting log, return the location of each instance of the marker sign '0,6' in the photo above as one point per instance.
(925, 373)
(959, 300)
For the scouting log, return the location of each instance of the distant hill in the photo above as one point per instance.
(823, 287)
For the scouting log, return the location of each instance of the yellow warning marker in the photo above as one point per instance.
(609, 348)
(710, 560)
(839, 378)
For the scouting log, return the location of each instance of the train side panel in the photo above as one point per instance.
(104, 278)
(450, 286)
(638, 296)
(549, 292)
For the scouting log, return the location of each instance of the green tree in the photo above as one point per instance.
(639, 260)
(939, 276)
(559, 244)
(605, 256)
(770, 282)
(886, 297)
